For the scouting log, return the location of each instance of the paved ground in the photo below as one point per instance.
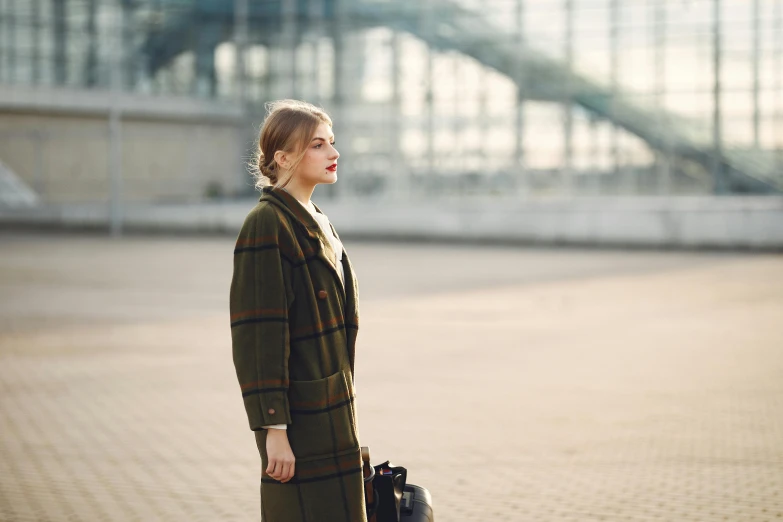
(528, 385)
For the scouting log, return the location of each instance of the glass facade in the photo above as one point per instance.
(511, 98)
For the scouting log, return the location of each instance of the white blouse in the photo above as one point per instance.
(337, 246)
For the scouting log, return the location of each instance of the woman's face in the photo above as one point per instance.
(319, 164)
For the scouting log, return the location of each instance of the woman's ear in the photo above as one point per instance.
(282, 159)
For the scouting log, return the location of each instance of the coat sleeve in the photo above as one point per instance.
(260, 297)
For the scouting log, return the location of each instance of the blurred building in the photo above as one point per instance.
(160, 100)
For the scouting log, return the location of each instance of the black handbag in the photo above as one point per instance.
(389, 498)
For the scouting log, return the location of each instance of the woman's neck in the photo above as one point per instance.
(302, 193)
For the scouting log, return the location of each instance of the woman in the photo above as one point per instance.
(294, 320)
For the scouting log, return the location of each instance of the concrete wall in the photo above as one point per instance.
(698, 222)
(173, 149)
(685, 222)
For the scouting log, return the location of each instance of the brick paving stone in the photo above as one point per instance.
(610, 386)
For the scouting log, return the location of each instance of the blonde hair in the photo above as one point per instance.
(289, 126)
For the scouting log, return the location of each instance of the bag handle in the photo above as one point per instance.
(372, 499)
(371, 476)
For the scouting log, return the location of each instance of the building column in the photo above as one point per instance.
(720, 185)
(522, 180)
(568, 186)
(60, 41)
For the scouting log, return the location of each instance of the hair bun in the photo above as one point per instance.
(268, 171)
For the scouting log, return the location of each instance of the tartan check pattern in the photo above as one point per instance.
(293, 329)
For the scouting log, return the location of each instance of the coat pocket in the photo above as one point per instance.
(321, 418)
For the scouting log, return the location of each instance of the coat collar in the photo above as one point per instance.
(289, 204)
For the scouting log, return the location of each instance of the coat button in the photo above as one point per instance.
(322, 294)
(271, 411)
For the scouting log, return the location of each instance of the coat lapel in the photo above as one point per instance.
(325, 252)
(327, 248)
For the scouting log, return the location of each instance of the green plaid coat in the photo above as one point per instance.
(293, 330)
